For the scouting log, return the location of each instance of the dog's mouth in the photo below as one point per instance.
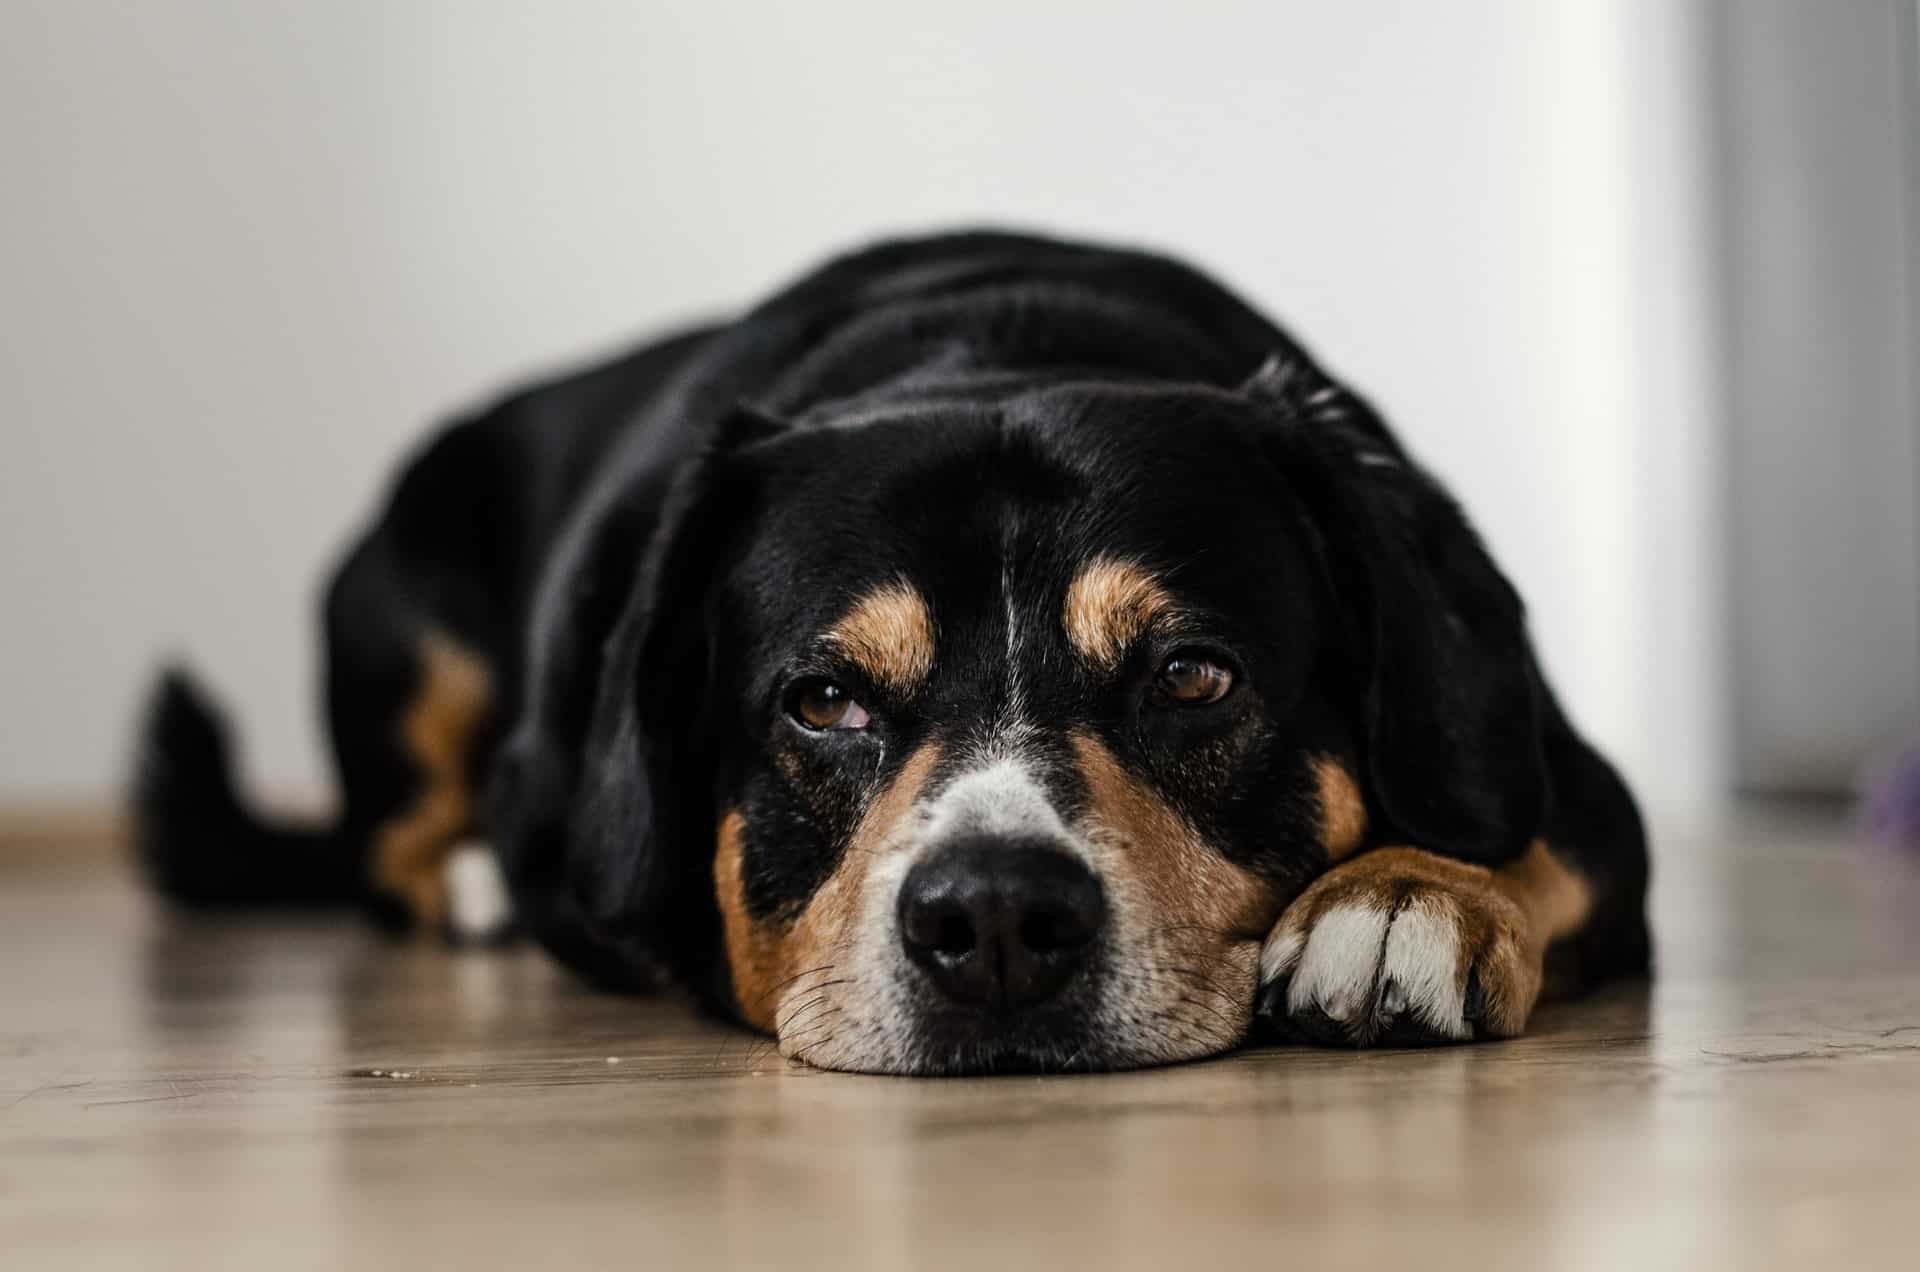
(1117, 1013)
(940, 1046)
(1014, 1054)
(1059, 1035)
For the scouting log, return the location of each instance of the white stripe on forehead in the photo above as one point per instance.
(1011, 731)
(1002, 798)
(1014, 634)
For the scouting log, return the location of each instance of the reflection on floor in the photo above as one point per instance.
(298, 1092)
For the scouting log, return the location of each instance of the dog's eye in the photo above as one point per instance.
(821, 705)
(1191, 680)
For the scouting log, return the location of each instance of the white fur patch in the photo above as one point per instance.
(477, 904)
(1424, 963)
(1000, 799)
(1337, 968)
(1281, 952)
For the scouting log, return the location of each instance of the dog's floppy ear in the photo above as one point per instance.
(594, 789)
(1452, 701)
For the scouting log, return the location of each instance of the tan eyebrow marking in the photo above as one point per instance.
(1109, 603)
(889, 633)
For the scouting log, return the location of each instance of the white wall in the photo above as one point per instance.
(249, 248)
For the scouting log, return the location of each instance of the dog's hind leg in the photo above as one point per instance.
(439, 733)
(417, 681)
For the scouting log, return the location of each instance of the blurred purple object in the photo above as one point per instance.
(1892, 799)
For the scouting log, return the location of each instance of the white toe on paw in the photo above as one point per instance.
(477, 904)
(1281, 952)
(1426, 966)
(1337, 970)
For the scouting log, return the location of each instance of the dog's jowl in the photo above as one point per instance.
(990, 653)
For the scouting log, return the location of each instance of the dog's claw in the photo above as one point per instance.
(1271, 1003)
(1316, 1026)
(1278, 1023)
(1393, 999)
(1475, 1005)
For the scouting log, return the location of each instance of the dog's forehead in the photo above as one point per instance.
(990, 507)
(1008, 568)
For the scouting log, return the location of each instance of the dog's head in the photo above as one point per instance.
(984, 734)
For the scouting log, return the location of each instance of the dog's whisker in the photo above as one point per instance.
(813, 1027)
(776, 988)
(805, 1055)
(799, 1011)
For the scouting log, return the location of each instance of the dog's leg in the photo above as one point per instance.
(438, 733)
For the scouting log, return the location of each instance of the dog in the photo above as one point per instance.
(990, 653)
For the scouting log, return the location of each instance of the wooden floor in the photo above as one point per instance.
(299, 1093)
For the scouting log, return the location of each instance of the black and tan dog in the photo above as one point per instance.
(988, 653)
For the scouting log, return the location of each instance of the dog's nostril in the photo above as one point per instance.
(933, 922)
(952, 935)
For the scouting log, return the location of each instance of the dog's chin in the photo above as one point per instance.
(942, 1042)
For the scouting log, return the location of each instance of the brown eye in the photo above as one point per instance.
(1189, 680)
(822, 705)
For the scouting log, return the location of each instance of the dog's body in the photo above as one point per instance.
(989, 652)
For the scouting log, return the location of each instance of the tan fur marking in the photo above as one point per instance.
(1557, 901)
(753, 954)
(1504, 919)
(1109, 604)
(410, 851)
(765, 958)
(1184, 882)
(889, 633)
(1343, 814)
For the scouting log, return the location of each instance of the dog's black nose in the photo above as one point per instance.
(998, 923)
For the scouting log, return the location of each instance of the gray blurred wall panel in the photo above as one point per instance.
(1816, 107)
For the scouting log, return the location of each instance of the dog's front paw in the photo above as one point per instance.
(1400, 947)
